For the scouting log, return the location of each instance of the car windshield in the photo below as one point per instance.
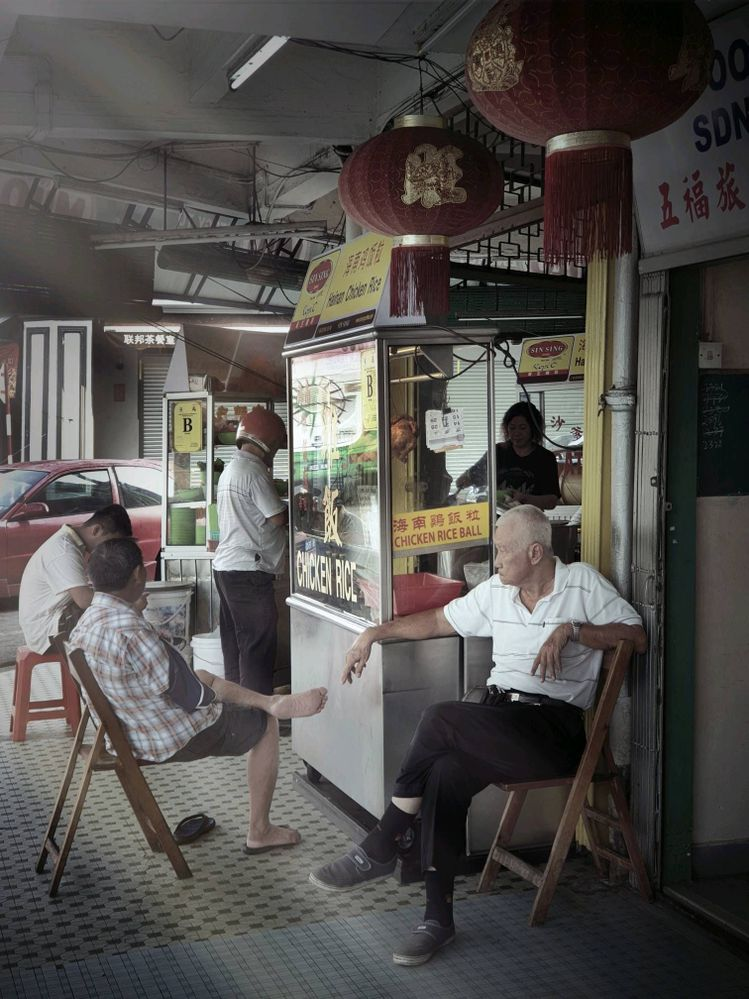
(14, 482)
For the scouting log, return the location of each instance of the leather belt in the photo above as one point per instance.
(499, 695)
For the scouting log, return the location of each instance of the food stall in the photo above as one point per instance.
(377, 526)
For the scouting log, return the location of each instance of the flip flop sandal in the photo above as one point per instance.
(194, 826)
(252, 850)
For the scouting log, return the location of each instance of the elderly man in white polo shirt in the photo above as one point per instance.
(550, 624)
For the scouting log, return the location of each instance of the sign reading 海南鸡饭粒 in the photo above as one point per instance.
(443, 527)
(691, 179)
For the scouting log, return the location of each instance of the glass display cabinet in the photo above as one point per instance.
(382, 423)
(199, 433)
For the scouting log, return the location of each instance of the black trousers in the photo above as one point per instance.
(248, 621)
(459, 748)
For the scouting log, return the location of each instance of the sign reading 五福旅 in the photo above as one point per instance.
(691, 179)
(443, 527)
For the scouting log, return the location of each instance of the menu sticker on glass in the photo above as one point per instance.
(187, 426)
(444, 431)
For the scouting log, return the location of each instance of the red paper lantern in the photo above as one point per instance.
(421, 183)
(585, 77)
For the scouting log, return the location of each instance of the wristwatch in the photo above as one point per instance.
(576, 626)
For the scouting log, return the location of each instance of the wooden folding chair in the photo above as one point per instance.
(96, 759)
(597, 752)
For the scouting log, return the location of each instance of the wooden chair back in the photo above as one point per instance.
(96, 758)
(596, 765)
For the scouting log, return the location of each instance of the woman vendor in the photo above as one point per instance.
(526, 471)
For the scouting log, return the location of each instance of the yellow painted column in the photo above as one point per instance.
(596, 491)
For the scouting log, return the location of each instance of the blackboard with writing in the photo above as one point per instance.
(723, 433)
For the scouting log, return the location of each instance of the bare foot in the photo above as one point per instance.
(309, 702)
(274, 836)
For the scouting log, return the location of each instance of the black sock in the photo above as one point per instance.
(380, 843)
(439, 897)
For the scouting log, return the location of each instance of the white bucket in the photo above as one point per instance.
(168, 610)
(207, 654)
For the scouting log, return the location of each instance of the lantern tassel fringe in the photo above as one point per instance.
(588, 204)
(420, 281)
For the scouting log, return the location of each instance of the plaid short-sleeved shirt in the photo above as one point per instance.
(131, 665)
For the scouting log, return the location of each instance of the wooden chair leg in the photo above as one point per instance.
(503, 836)
(62, 855)
(627, 830)
(148, 830)
(146, 809)
(49, 836)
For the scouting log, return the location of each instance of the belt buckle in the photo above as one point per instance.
(513, 695)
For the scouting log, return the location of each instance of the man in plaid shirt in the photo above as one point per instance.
(168, 711)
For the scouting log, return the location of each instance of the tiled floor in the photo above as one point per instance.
(124, 926)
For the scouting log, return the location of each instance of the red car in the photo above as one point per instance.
(38, 497)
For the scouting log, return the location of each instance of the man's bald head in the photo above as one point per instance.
(526, 525)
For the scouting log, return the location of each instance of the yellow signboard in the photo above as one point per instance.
(355, 288)
(187, 426)
(577, 370)
(368, 390)
(443, 527)
(546, 359)
(314, 294)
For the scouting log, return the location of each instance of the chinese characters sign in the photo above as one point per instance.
(692, 179)
(149, 339)
(443, 527)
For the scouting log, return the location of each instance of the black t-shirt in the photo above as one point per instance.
(535, 473)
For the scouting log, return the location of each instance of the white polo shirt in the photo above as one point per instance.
(493, 610)
(55, 567)
(246, 498)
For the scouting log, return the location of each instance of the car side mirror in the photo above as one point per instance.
(30, 511)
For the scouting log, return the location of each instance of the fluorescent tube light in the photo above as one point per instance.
(252, 62)
(144, 328)
(259, 328)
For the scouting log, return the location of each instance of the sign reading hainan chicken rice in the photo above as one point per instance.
(443, 527)
(342, 289)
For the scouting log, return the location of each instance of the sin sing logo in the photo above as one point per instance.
(318, 277)
(547, 350)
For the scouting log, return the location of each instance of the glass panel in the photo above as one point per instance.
(139, 486)
(14, 483)
(78, 492)
(439, 398)
(186, 480)
(334, 508)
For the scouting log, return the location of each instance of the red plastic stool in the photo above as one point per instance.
(25, 710)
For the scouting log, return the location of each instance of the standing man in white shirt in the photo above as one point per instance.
(549, 624)
(55, 589)
(252, 522)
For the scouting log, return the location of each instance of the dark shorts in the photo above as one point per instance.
(234, 733)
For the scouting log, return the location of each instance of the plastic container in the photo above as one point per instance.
(423, 591)
(207, 654)
(168, 610)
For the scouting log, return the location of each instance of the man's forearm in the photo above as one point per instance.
(605, 636)
(425, 624)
